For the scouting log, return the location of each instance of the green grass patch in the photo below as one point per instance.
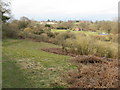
(77, 32)
(58, 30)
(26, 65)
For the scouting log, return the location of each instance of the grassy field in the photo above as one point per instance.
(58, 30)
(25, 65)
(85, 32)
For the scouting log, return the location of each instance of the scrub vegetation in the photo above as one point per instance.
(59, 54)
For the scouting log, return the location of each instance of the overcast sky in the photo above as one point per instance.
(65, 9)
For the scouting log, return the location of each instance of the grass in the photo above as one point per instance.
(25, 65)
(84, 32)
(58, 30)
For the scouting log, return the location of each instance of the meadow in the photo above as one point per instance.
(84, 32)
(26, 65)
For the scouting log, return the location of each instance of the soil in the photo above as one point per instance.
(59, 51)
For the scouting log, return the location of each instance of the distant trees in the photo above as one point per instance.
(98, 26)
(65, 25)
(101, 26)
(93, 27)
(83, 26)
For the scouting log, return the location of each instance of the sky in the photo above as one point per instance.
(65, 9)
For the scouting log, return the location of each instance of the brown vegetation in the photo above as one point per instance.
(58, 51)
(93, 72)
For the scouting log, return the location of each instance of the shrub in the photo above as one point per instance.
(103, 50)
(38, 32)
(65, 35)
(87, 45)
(56, 33)
(50, 34)
(62, 37)
(70, 44)
(22, 35)
(52, 40)
(28, 30)
(44, 37)
(114, 38)
(10, 30)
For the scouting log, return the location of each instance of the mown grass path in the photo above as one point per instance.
(26, 65)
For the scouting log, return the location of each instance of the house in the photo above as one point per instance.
(78, 29)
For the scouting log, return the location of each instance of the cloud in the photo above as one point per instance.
(63, 8)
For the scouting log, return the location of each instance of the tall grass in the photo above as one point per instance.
(87, 45)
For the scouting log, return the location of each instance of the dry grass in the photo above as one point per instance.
(87, 45)
(93, 72)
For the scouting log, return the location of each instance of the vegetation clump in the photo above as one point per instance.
(93, 75)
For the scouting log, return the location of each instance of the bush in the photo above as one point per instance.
(22, 35)
(62, 37)
(52, 40)
(44, 37)
(114, 38)
(103, 50)
(28, 30)
(10, 31)
(86, 45)
(70, 44)
(50, 34)
(38, 32)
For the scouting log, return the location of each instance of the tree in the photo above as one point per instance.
(65, 25)
(48, 20)
(23, 18)
(5, 11)
(47, 25)
(24, 22)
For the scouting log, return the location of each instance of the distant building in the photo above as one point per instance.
(78, 29)
(84, 21)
